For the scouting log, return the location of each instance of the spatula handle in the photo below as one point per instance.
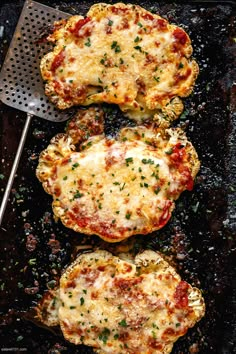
(14, 166)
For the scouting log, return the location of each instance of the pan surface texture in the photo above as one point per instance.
(22, 86)
(200, 239)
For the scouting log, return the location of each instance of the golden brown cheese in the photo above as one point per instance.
(116, 188)
(132, 306)
(120, 54)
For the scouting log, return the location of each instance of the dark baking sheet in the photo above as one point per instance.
(201, 235)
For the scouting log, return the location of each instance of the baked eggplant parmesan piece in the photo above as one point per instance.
(137, 305)
(116, 187)
(120, 54)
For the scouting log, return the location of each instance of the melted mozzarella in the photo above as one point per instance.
(120, 54)
(115, 193)
(120, 306)
(118, 188)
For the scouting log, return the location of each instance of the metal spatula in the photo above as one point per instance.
(21, 83)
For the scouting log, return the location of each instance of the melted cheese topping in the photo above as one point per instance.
(126, 306)
(120, 54)
(118, 188)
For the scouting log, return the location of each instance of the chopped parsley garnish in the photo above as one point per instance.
(81, 301)
(140, 24)
(129, 160)
(181, 65)
(154, 335)
(157, 190)
(123, 186)
(123, 323)
(155, 326)
(137, 47)
(137, 39)
(104, 60)
(116, 336)
(128, 215)
(88, 43)
(116, 47)
(156, 78)
(155, 175)
(65, 178)
(78, 195)
(103, 336)
(169, 152)
(110, 23)
(75, 165)
(72, 307)
(116, 183)
(147, 161)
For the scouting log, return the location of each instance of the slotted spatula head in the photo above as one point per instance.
(21, 83)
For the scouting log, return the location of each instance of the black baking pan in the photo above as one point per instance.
(201, 236)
